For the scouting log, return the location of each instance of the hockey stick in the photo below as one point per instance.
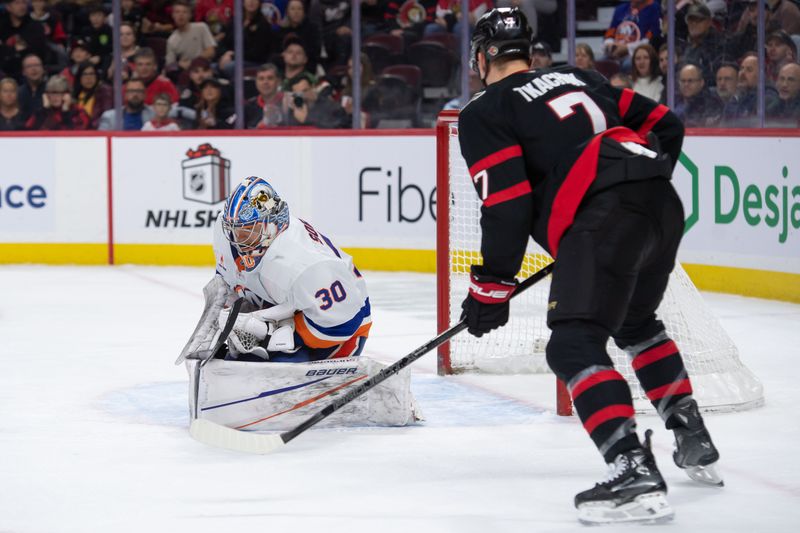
(220, 436)
(223, 336)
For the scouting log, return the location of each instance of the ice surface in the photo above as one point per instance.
(93, 427)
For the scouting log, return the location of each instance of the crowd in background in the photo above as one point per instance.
(178, 61)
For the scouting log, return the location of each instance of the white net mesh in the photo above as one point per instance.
(720, 380)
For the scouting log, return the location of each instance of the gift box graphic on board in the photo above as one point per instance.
(206, 175)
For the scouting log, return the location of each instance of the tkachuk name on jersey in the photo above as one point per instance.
(544, 83)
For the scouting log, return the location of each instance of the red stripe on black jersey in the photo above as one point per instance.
(625, 101)
(652, 119)
(595, 379)
(496, 158)
(654, 354)
(515, 191)
(577, 182)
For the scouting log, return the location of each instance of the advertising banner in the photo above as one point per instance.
(741, 196)
(365, 191)
(53, 190)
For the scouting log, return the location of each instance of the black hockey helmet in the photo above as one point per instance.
(502, 32)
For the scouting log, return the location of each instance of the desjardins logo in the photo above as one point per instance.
(775, 205)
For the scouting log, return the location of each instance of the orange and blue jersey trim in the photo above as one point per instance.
(346, 336)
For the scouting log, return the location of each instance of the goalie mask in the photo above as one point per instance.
(502, 32)
(254, 215)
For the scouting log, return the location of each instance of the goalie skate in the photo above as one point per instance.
(694, 451)
(633, 492)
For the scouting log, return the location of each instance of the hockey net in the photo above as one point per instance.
(720, 381)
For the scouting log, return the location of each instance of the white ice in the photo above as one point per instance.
(93, 427)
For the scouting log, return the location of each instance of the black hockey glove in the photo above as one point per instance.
(486, 306)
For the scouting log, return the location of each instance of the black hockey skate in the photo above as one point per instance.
(633, 492)
(694, 451)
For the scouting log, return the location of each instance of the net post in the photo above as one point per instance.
(563, 401)
(443, 123)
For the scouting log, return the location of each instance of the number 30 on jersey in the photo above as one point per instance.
(335, 293)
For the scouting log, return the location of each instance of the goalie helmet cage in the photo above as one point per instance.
(719, 379)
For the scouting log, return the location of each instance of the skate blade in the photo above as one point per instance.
(650, 508)
(707, 475)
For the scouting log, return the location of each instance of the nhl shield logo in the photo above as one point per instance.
(206, 175)
(492, 51)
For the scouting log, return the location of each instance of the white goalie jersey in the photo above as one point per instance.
(305, 276)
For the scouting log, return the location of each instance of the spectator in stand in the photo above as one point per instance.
(620, 80)
(190, 39)
(367, 85)
(295, 61)
(373, 17)
(258, 39)
(57, 111)
(785, 110)
(541, 56)
(781, 50)
(333, 18)
(704, 45)
(726, 80)
(275, 12)
(448, 17)
(633, 23)
(744, 113)
(132, 13)
(21, 35)
(146, 69)
(134, 114)
(695, 105)
(98, 37)
(90, 94)
(157, 19)
(161, 120)
(213, 112)
(31, 92)
(199, 71)
(645, 74)
(584, 56)
(297, 27)
(475, 85)
(783, 15)
(78, 53)
(128, 51)
(217, 14)
(53, 28)
(313, 106)
(11, 117)
(409, 18)
(266, 109)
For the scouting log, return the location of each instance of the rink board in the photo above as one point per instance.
(95, 199)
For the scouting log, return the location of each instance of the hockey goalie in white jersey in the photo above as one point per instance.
(305, 318)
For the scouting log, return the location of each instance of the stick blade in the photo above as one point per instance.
(220, 436)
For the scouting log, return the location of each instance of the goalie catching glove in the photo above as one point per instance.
(486, 306)
(252, 329)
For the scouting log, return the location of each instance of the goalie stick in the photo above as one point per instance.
(221, 436)
(223, 336)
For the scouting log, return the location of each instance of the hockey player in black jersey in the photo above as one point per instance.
(584, 168)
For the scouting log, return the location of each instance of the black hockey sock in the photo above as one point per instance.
(659, 366)
(577, 354)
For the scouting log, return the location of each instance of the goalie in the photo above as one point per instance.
(303, 302)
